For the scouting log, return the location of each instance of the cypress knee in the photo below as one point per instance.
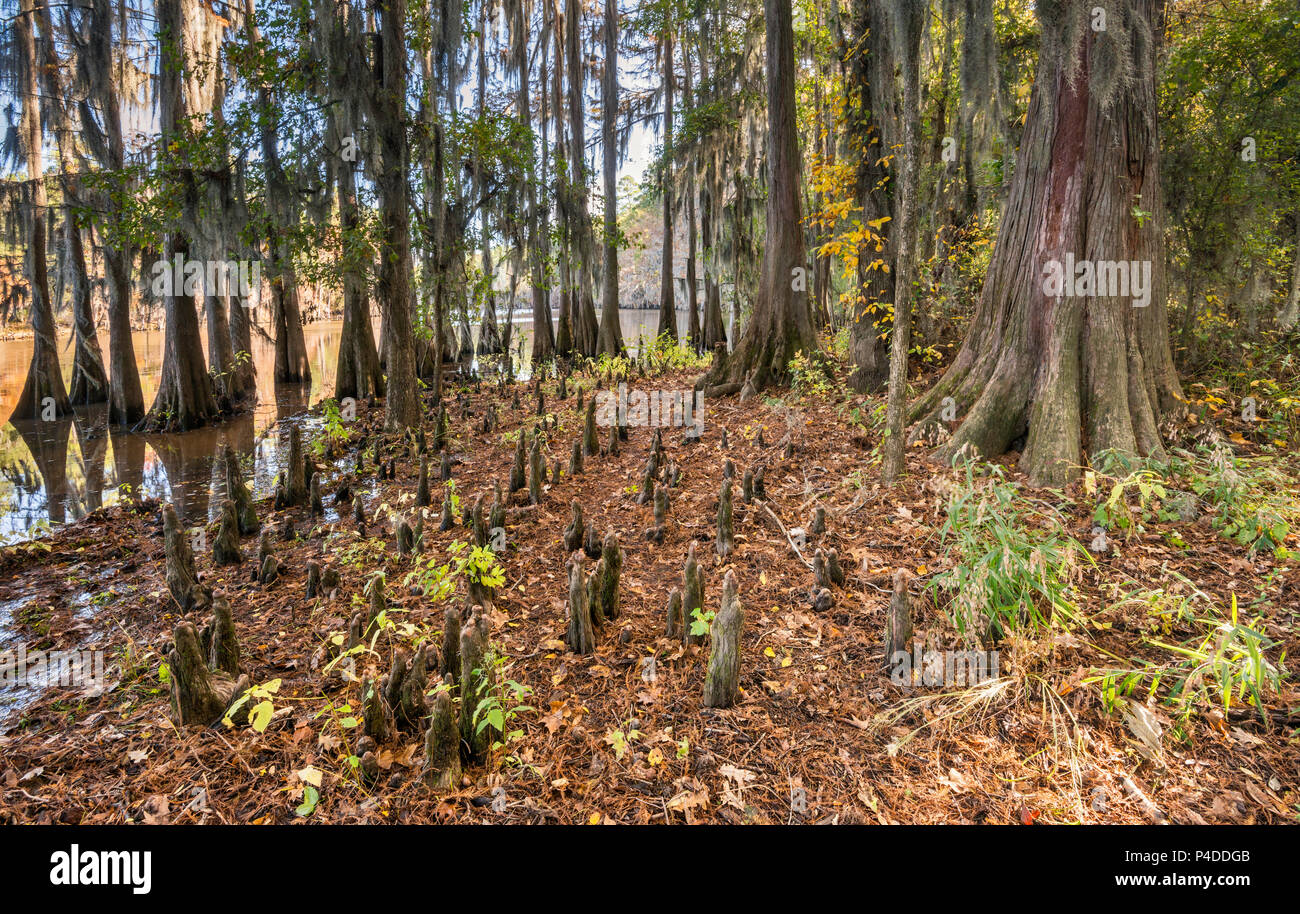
(673, 628)
(182, 580)
(692, 595)
(898, 630)
(725, 544)
(722, 682)
(223, 647)
(422, 498)
(573, 534)
(237, 491)
(199, 696)
(590, 446)
(580, 637)
(442, 742)
(225, 548)
(449, 665)
(475, 682)
(517, 477)
(611, 556)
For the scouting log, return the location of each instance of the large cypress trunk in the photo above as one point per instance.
(611, 336)
(1061, 369)
(781, 322)
(126, 398)
(358, 373)
(44, 377)
(872, 114)
(667, 297)
(291, 362)
(89, 379)
(184, 400)
(403, 403)
(585, 329)
(910, 21)
(538, 229)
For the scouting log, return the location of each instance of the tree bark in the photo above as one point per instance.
(781, 321)
(611, 335)
(44, 384)
(1056, 368)
(184, 400)
(667, 295)
(910, 18)
(403, 402)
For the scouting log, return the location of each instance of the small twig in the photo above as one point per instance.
(788, 538)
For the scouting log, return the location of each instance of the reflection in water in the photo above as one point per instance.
(57, 472)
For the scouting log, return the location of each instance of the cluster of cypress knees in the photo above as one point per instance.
(206, 677)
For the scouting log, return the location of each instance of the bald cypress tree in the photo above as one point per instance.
(781, 324)
(184, 400)
(1053, 364)
(44, 385)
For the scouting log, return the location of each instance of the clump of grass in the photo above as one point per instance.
(1013, 563)
(1222, 663)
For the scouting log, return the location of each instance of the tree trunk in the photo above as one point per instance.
(781, 323)
(538, 223)
(89, 380)
(126, 399)
(44, 386)
(667, 295)
(693, 331)
(358, 374)
(585, 329)
(611, 335)
(909, 18)
(1290, 314)
(1038, 361)
(403, 402)
(184, 400)
(872, 117)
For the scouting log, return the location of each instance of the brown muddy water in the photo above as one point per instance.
(55, 473)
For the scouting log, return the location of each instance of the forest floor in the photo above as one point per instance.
(821, 732)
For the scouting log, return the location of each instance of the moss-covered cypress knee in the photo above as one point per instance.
(692, 595)
(580, 635)
(422, 497)
(475, 683)
(442, 742)
(573, 534)
(722, 682)
(182, 580)
(225, 548)
(725, 543)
